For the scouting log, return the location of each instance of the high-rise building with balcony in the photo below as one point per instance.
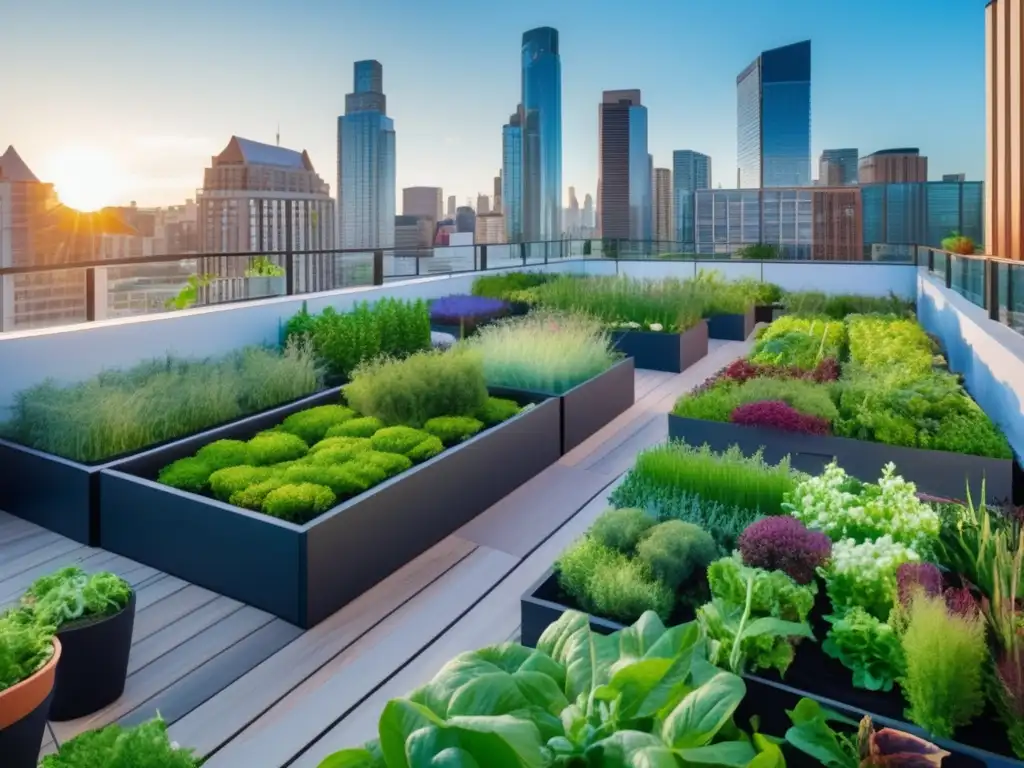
(664, 223)
(512, 177)
(690, 171)
(422, 201)
(624, 180)
(366, 163)
(249, 192)
(893, 166)
(774, 119)
(541, 180)
(837, 167)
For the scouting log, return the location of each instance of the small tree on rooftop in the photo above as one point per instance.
(957, 243)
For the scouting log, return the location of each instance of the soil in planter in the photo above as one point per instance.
(688, 599)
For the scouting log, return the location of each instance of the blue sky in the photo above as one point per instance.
(156, 88)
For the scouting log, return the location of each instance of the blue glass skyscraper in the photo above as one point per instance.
(542, 135)
(512, 178)
(366, 163)
(773, 96)
(690, 171)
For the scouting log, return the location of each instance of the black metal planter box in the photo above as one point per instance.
(62, 495)
(939, 473)
(732, 327)
(769, 699)
(673, 352)
(588, 406)
(304, 573)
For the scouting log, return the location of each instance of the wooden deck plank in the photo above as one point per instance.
(314, 706)
(531, 512)
(156, 589)
(55, 551)
(150, 648)
(14, 587)
(160, 611)
(163, 672)
(31, 541)
(648, 380)
(208, 679)
(492, 620)
(221, 717)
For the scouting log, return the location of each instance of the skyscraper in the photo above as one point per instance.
(497, 193)
(366, 163)
(572, 223)
(483, 204)
(588, 213)
(512, 177)
(451, 207)
(541, 135)
(837, 167)
(690, 171)
(664, 223)
(773, 97)
(624, 180)
(422, 201)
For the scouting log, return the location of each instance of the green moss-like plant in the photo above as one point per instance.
(224, 453)
(71, 596)
(144, 746)
(428, 449)
(190, 474)
(621, 529)
(299, 502)
(498, 409)
(338, 452)
(364, 426)
(399, 440)
(945, 656)
(674, 551)
(273, 448)
(625, 590)
(452, 430)
(344, 480)
(25, 646)
(355, 444)
(251, 497)
(312, 424)
(391, 463)
(227, 481)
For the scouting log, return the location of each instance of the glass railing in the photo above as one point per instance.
(992, 283)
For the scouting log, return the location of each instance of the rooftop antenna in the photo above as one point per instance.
(279, 134)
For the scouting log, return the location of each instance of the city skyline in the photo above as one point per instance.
(152, 148)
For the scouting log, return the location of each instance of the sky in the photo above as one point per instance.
(140, 95)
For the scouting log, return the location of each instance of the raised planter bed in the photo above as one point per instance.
(673, 352)
(812, 675)
(766, 313)
(588, 406)
(304, 573)
(732, 327)
(939, 473)
(63, 495)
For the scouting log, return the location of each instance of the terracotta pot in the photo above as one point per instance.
(24, 698)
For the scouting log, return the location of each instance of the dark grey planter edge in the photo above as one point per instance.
(63, 496)
(303, 574)
(671, 352)
(737, 327)
(537, 613)
(938, 473)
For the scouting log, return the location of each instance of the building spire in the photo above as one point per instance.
(279, 133)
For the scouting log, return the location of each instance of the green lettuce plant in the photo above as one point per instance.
(868, 647)
(864, 574)
(144, 746)
(800, 341)
(71, 596)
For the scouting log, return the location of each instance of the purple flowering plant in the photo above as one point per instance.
(467, 311)
(783, 543)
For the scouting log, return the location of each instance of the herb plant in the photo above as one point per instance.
(144, 746)
(803, 342)
(839, 306)
(775, 414)
(70, 596)
(504, 285)
(864, 574)
(720, 401)
(868, 647)
(26, 646)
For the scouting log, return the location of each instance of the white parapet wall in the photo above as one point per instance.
(76, 352)
(989, 355)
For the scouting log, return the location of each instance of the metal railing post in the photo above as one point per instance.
(378, 267)
(90, 294)
(289, 261)
(992, 288)
(483, 257)
(931, 262)
(949, 270)
(522, 252)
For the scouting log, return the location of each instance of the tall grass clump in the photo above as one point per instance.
(117, 412)
(421, 387)
(838, 306)
(543, 352)
(675, 470)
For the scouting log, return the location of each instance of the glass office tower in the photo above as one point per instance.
(774, 119)
(690, 171)
(922, 213)
(542, 135)
(512, 178)
(624, 176)
(366, 164)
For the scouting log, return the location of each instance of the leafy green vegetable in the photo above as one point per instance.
(772, 593)
(25, 646)
(144, 746)
(868, 647)
(70, 596)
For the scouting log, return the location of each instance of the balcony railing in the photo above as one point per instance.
(992, 283)
(60, 294)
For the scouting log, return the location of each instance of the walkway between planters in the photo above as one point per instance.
(325, 690)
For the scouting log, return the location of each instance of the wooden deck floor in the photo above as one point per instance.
(247, 689)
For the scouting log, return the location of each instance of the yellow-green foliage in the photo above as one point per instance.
(225, 482)
(224, 453)
(275, 447)
(251, 497)
(675, 550)
(621, 529)
(332, 450)
(364, 426)
(189, 474)
(945, 655)
(312, 424)
(497, 410)
(452, 430)
(406, 441)
(298, 503)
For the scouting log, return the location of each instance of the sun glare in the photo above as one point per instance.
(85, 179)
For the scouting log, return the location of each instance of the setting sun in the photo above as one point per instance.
(85, 179)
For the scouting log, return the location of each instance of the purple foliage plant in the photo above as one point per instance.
(783, 543)
(462, 309)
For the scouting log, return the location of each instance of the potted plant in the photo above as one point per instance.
(28, 663)
(93, 617)
(957, 243)
(264, 278)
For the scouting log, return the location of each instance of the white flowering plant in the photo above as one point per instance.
(864, 574)
(844, 508)
(632, 325)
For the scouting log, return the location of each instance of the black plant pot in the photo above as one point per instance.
(93, 665)
(20, 742)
